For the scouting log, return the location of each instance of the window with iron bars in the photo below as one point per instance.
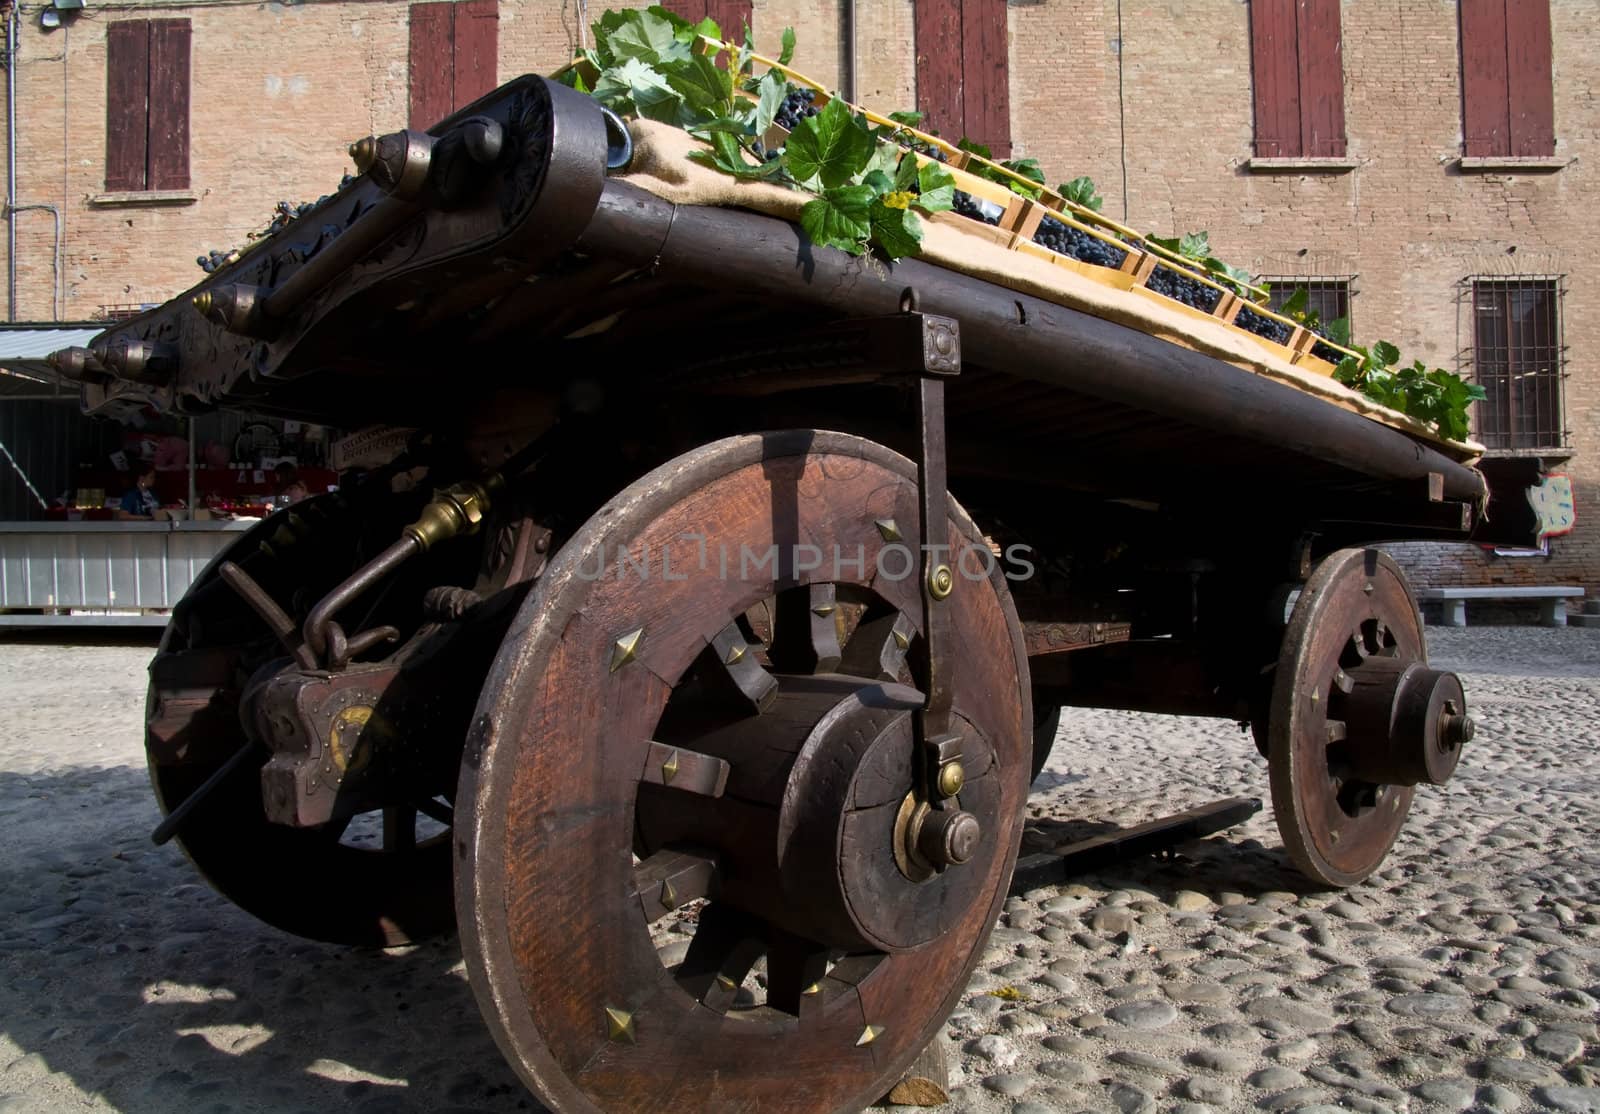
(1327, 296)
(1519, 360)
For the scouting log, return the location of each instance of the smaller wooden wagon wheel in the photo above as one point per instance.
(644, 748)
(1357, 718)
(383, 880)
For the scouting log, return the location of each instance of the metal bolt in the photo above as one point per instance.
(202, 302)
(941, 582)
(951, 778)
(364, 152)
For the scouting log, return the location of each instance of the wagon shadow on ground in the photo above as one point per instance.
(120, 969)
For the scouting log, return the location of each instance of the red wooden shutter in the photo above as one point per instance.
(1530, 88)
(692, 10)
(1275, 70)
(169, 105)
(477, 50)
(1321, 66)
(432, 64)
(733, 16)
(985, 74)
(1485, 87)
(937, 29)
(127, 100)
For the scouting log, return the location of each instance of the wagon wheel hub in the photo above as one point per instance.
(1402, 722)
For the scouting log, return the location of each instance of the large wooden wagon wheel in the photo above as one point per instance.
(1357, 718)
(640, 751)
(383, 880)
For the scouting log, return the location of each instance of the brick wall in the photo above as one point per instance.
(279, 90)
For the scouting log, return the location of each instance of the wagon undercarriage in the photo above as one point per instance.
(649, 621)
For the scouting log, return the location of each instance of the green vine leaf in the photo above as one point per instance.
(936, 188)
(786, 55)
(650, 36)
(635, 86)
(840, 218)
(703, 85)
(770, 91)
(727, 156)
(1080, 191)
(895, 229)
(831, 147)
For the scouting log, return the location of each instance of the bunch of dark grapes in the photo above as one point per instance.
(1252, 322)
(1074, 242)
(969, 206)
(216, 260)
(796, 106)
(1323, 351)
(1182, 288)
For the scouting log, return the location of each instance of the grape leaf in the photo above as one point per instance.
(1194, 245)
(975, 148)
(1080, 191)
(1385, 354)
(707, 27)
(840, 218)
(897, 231)
(831, 146)
(905, 175)
(1294, 306)
(702, 83)
(770, 93)
(650, 37)
(1337, 331)
(635, 86)
(727, 156)
(879, 182)
(936, 188)
(786, 55)
(906, 119)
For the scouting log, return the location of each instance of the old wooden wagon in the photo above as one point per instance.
(670, 604)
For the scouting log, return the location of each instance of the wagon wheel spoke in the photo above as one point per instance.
(725, 946)
(670, 879)
(805, 638)
(795, 968)
(878, 647)
(399, 829)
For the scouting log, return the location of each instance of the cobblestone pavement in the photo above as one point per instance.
(1464, 975)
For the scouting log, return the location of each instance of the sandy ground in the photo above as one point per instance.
(1464, 975)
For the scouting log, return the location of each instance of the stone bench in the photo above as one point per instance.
(1552, 610)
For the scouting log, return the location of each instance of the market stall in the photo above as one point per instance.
(67, 553)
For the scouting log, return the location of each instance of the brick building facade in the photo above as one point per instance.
(1422, 159)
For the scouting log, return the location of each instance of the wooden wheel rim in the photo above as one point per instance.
(565, 972)
(1354, 593)
(300, 881)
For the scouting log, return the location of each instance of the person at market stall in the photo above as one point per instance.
(140, 501)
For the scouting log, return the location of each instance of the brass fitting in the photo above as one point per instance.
(364, 152)
(454, 510)
(951, 779)
(941, 582)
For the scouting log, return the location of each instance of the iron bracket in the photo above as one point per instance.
(939, 748)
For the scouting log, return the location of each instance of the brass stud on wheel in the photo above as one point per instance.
(951, 778)
(941, 582)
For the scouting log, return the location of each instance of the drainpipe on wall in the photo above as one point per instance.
(848, 85)
(11, 161)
